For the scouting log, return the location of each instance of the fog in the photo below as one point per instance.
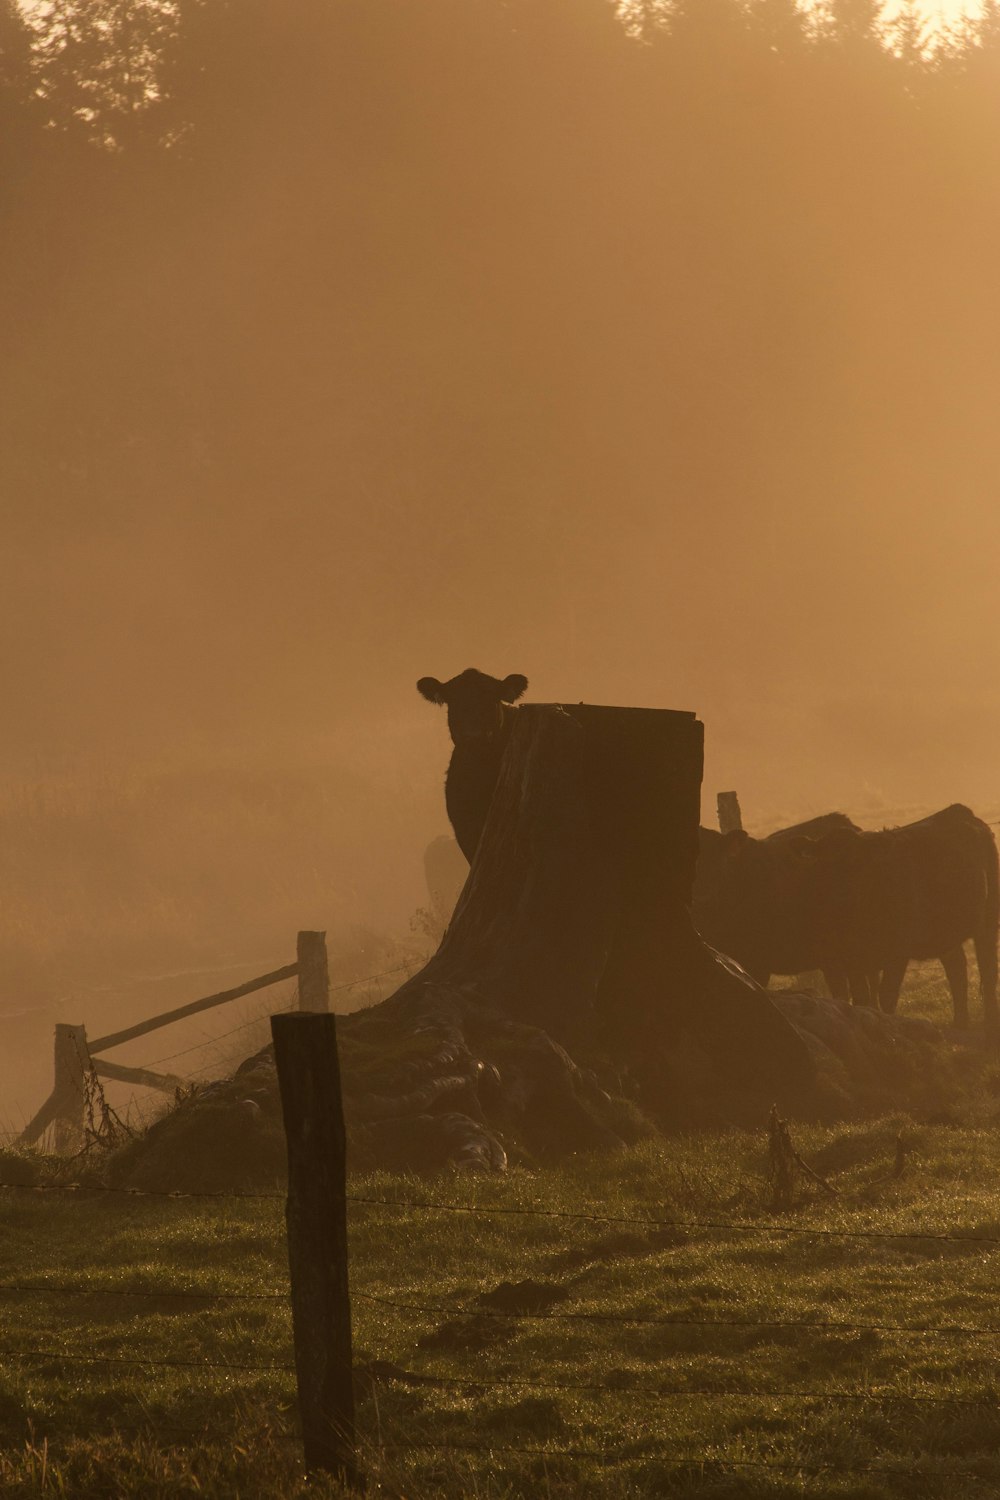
(348, 343)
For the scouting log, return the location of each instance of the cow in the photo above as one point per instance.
(825, 895)
(480, 718)
(863, 989)
(750, 898)
(919, 891)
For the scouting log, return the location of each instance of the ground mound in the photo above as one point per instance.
(476, 1097)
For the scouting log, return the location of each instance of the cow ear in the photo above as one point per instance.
(512, 687)
(734, 841)
(431, 689)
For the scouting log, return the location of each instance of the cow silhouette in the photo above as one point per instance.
(857, 905)
(480, 717)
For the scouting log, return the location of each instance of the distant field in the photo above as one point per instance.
(596, 1395)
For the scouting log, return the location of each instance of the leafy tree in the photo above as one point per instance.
(783, 24)
(16, 69)
(856, 21)
(97, 64)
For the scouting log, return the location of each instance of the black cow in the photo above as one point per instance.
(865, 989)
(919, 891)
(751, 901)
(857, 905)
(480, 717)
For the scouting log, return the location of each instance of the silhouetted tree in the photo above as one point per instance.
(96, 65)
(856, 21)
(15, 54)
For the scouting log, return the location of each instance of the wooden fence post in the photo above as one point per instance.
(730, 817)
(314, 972)
(72, 1063)
(305, 1053)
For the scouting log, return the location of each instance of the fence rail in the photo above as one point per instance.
(75, 1056)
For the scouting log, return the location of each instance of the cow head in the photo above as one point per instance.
(475, 702)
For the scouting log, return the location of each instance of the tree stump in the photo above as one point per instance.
(571, 972)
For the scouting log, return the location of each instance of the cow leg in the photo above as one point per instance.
(889, 985)
(986, 958)
(957, 971)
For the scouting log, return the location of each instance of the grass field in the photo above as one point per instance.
(672, 1358)
(145, 1345)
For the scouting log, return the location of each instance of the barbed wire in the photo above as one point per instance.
(580, 1215)
(683, 1461)
(503, 1210)
(210, 1041)
(658, 1393)
(138, 1360)
(114, 1291)
(715, 1462)
(75, 1188)
(613, 1318)
(425, 1205)
(646, 1319)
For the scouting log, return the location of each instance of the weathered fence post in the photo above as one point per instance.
(730, 817)
(72, 1063)
(305, 1052)
(314, 972)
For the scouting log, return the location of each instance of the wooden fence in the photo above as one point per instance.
(76, 1055)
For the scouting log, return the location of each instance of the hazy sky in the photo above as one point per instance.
(492, 454)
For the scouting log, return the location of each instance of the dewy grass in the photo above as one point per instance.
(685, 1340)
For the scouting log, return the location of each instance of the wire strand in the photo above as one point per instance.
(417, 1205)
(700, 1460)
(113, 1291)
(210, 1041)
(422, 1205)
(76, 1188)
(643, 1319)
(446, 1381)
(116, 1359)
